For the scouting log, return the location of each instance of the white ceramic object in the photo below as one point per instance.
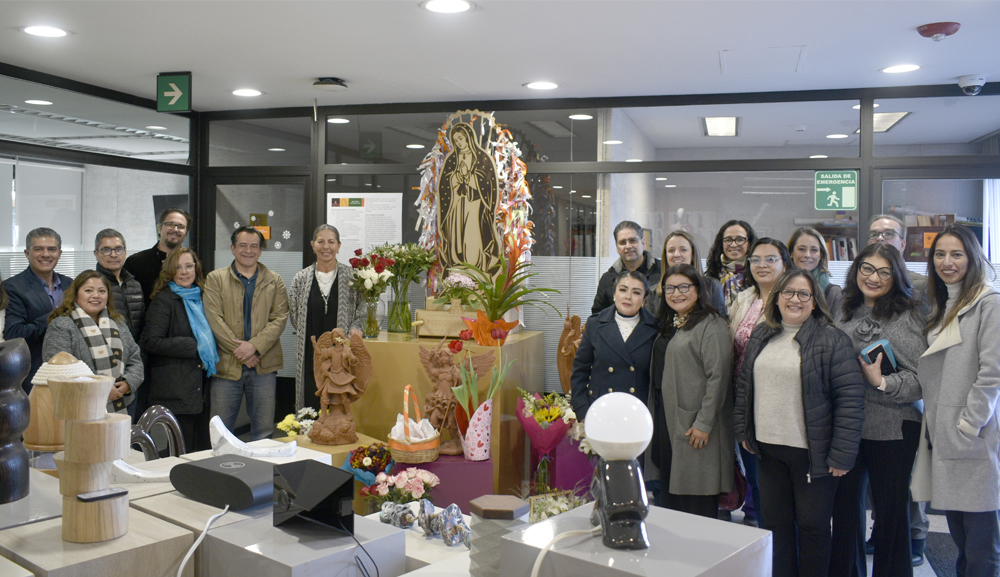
(122, 472)
(226, 443)
(618, 426)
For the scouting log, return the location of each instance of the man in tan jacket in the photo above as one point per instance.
(247, 306)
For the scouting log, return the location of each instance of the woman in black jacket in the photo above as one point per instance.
(799, 406)
(180, 345)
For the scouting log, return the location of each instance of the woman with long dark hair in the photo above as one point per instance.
(879, 305)
(727, 257)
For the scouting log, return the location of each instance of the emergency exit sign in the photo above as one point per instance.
(836, 190)
(173, 92)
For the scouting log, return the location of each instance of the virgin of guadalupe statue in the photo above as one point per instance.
(467, 201)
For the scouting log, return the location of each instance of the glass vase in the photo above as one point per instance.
(371, 328)
(400, 320)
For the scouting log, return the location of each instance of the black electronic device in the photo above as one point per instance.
(315, 492)
(882, 347)
(102, 494)
(240, 482)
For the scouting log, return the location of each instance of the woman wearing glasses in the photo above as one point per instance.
(808, 251)
(879, 305)
(727, 257)
(799, 406)
(691, 398)
(767, 262)
(679, 248)
(960, 377)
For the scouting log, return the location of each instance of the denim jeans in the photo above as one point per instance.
(227, 396)
(977, 536)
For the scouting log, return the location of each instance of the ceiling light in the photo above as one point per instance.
(447, 6)
(557, 186)
(858, 106)
(276, 149)
(541, 85)
(585, 196)
(330, 84)
(719, 125)
(836, 136)
(669, 186)
(38, 102)
(661, 178)
(337, 120)
(612, 142)
(900, 68)
(819, 156)
(247, 92)
(572, 192)
(580, 117)
(45, 31)
(634, 160)
(156, 128)
(415, 146)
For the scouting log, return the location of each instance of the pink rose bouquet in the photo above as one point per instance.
(409, 485)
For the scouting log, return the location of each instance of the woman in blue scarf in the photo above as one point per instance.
(180, 346)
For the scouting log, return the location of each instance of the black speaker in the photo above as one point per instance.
(316, 492)
(240, 482)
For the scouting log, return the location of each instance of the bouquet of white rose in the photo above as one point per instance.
(371, 274)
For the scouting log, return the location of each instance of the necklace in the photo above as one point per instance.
(325, 296)
(679, 320)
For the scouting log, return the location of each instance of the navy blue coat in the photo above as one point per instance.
(605, 363)
(28, 313)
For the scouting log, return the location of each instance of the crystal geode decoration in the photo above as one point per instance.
(428, 520)
(397, 515)
(448, 523)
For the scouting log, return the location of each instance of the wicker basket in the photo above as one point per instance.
(403, 450)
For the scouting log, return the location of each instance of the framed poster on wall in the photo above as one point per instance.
(365, 220)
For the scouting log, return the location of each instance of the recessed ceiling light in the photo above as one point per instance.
(572, 192)
(858, 106)
(156, 128)
(819, 156)
(276, 149)
(883, 121)
(38, 102)
(661, 178)
(556, 186)
(45, 31)
(669, 186)
(836, 136)
(247, 92)
(719, 125)
(585, 196)
(447, 6)
(612, 142)
(337, 120)
(900, 68)
(634, 160)
(415, 146)
(580, 117)
(541, 85)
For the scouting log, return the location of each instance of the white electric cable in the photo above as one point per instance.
(198, 541)
(541, 555)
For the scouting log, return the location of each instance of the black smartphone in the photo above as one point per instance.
(109, 493)
(887, 368)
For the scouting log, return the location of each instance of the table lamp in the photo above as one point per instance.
(619, 427)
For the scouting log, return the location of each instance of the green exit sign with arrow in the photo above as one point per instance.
(173, 92)
(836, 190)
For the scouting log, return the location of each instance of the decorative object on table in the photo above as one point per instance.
(403, 487)
(15, 414)
(343, 370)
(122, 472)
(315, 492)
(493, 516)
(397, 514)
(569, 342)
(370, 280)
(158, 415)
(406, 263)
(438, 322)
(456, 290)
(440, 403)
(367, 462)
(298, 423)
(45, 432)
(448, 523)
(226, 443)
(546, 420)
(555, 502)
(419, 442)
(619, 428)
(475, 430)
(94, 440)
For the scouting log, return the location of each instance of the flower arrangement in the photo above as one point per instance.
(406, 486)
(546, 420)
(467, 393)
(546, 410)
(299, 423)
(456, 286)
(371, 273)
(553, 503)
(406, 263)
(367, 462)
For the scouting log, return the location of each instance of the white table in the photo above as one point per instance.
(422, 550)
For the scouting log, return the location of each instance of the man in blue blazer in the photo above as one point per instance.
(34, 293)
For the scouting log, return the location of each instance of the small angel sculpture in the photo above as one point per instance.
(343, 370)
(569, 342)
(439, 404)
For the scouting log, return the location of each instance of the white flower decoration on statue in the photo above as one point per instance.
(270, 213)
(286, 235)
(277, 244)
(236, 224)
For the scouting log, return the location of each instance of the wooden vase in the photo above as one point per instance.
(15, 413)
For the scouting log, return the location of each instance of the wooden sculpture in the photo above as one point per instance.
(569, 342)
(94, 440)
(343, 370)
(15, 362)
(440, 403)
(45, 432)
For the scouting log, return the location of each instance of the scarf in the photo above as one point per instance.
(103, 341)
(734, 266)
(199, 325)
(822, 278)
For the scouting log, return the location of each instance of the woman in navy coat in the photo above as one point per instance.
(616, 347)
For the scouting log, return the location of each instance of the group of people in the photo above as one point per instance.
(760, 360)
(173, 336)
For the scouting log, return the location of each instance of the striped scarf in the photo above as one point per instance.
(103, 341)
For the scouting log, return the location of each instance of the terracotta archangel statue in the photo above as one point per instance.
(343, 369)
(569, 342)
(440, 404)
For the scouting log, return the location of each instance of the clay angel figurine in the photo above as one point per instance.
(343, 369)
(569, 342)
(439, 404)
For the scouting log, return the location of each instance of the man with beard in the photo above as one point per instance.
(174, 224)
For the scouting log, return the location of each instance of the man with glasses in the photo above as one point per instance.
(126, 292)
(632, 255)
(171, 230)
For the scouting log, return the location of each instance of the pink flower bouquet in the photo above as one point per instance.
(406, 486)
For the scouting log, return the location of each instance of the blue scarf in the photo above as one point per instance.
(822, 278)
(199, 325)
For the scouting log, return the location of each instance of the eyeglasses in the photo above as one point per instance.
(175, 225)
(628, 241)
(107, 250)
(668, 289)
(804, 296)
(867, 270)
(886, 234)
(185, 267)
(770, 260)
(738, 241)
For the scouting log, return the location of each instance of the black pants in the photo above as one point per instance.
(796, 510)
(888, 465)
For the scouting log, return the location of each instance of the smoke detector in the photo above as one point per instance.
(938, 30)
(330, 84)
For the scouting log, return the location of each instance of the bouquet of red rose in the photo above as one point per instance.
(367, 462)
(371, 274)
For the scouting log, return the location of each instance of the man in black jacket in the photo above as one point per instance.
(126, 293)
(172, 229)
(632, 256)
